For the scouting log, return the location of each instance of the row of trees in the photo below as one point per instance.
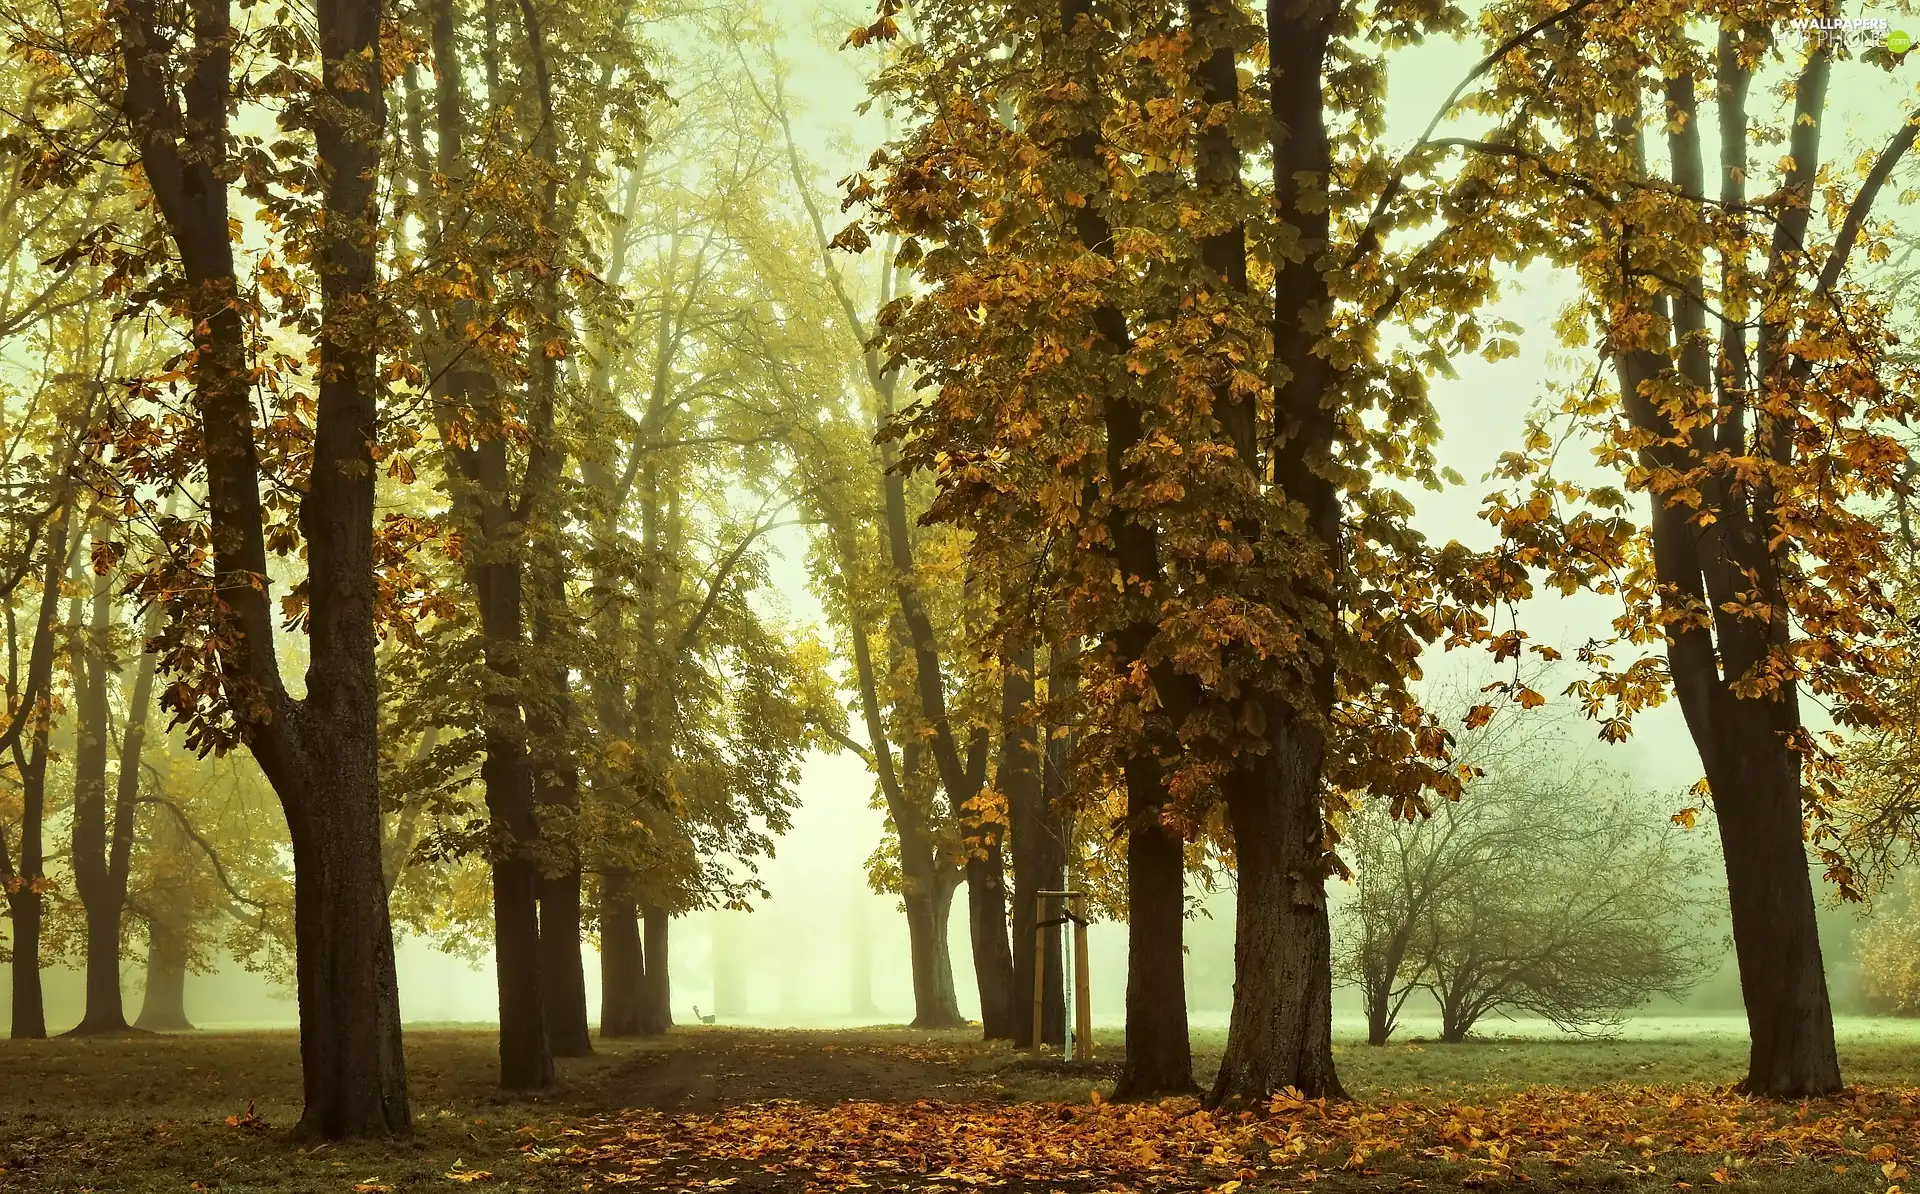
(472, 356)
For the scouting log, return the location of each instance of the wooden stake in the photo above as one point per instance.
(1082, 998)
(1039, 972)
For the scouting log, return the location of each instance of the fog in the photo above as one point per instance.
(825, 950)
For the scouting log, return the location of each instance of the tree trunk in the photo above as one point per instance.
(1776, 938)
(1379, 1025)
(987, 931)
(946, 998)
(1159, 1057)
(656, 991)
(934, 1002)
(26, 902)
(320, 753)
(93, 880)
(563, 980)
(622, 969)
(563, 977)
(163, 1007)
(1038, 840)
(1281, 1032)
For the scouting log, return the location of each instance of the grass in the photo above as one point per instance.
(151, 1113)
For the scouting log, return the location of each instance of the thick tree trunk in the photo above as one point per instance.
(163, 1006)
(1159, 1057)
(563, 977)
(1379, 1025)
(656, 991)
(350, 1051)
(1776, 937)
(987, 931)
(1281, 1032)
(92, 872)
(29, 1003)
(622, 969)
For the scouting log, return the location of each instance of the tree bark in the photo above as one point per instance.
(26, 902)
(1280, 1034)
(656, 992)
(103, 846)
(25, 899)
(934, 1001)
(1159, 1057)
(1039, 853)
(104, 1013)
(1744, 742)
(163, 1006)
(622, 967)
(320, 753)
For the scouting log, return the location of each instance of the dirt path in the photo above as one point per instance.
(702, 1070)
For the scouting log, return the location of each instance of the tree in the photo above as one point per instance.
(175, 82)
(1751, 398)
(1536, 891)
(1202, 431)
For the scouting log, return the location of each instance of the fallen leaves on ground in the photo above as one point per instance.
(1175, 1145)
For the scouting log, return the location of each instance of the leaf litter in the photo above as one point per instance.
(1177, 1145)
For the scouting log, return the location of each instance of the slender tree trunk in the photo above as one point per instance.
(934, 1002)
(1039, 855)
(93, 880)
(946, 998)
(163, 1006)
(1159, 1057)
(622, 968)
(656, 998)
(28, 903)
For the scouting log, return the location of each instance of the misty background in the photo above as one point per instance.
(825, 950)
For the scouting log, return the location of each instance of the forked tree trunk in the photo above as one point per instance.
(622, 972)
(321, 753)
(163, 1006)
(1280, 1034)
